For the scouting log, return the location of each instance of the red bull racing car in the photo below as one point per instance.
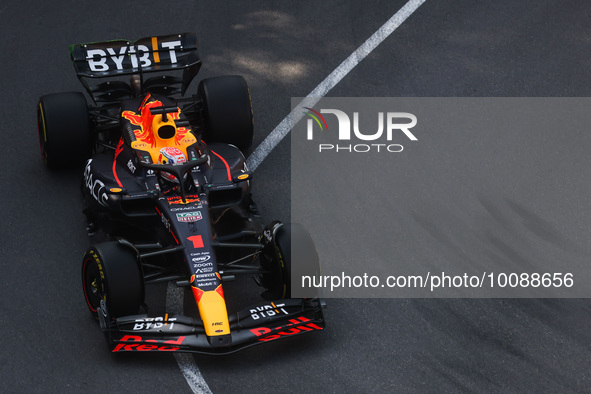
(168, 200)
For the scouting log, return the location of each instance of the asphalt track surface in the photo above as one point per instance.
(284, 49)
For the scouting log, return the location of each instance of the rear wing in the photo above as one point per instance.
(147, 55)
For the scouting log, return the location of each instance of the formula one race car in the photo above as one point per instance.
(168, 200)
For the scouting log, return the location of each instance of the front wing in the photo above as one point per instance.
(178, 333)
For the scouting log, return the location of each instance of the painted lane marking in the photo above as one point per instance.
(283, 128)
(191, 373)
(174, 305)
(174, 295)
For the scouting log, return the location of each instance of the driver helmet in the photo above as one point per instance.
(171, 155)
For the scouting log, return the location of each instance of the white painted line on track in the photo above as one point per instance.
(174, 295)
(191, 373)
(283, 128)
(186, 362)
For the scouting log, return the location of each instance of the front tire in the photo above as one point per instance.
(289, 251)
(111, 278)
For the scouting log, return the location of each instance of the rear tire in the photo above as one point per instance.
(111, 276)
(227, 111)
(64, 129)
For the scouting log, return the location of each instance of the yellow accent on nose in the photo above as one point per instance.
(212, 308)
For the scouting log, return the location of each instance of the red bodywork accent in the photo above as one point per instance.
(179, 200)
(225, 163)
(128, 347)
(173, 236)
(220, 291)
(296, 327)
(197, 241)
(197, 293)
(118, 150)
